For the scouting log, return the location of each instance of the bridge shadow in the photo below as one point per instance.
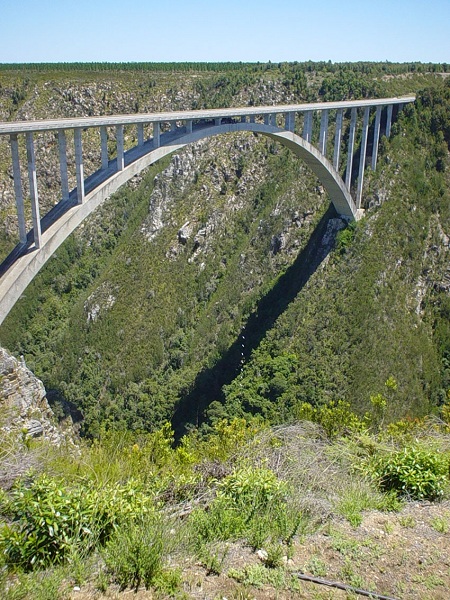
(209, 382)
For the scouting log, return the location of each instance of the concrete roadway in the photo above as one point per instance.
(190, 115)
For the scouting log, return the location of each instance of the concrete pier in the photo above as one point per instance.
(289, 121)
(18, 192)
(323, 136)
(337, 139)
(104, 147)
(307, 126)
(350, 147)
(120, 154)
(32, 179)
(376, 137)
(140, 134)
(156, 135)
(389, 120)
(362, 156)
(62, 146)
(79, 166)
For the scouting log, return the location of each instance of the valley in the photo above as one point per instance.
(215, 302)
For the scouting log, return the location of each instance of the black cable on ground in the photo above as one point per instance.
(343, 586)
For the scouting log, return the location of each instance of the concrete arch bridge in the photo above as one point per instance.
(160, 134)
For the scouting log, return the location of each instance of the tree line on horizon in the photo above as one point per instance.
(307, 66)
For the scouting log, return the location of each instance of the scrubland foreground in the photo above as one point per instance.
(236, 513)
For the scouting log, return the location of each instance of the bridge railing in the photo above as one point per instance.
(164, 127)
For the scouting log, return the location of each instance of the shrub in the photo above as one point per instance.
(46, 585)
(134, 554)
(49, 521)
(229, 435)
(251, 503)
(337, 418)
(345, 238)
(220, 522)
(252, 487)
(415, 472)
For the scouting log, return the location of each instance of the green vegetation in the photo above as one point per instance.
(129, 329)
(134, 511)
(414, 472)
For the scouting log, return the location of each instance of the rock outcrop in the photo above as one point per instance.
(23, 403)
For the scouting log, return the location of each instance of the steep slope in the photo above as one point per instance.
(200, 274)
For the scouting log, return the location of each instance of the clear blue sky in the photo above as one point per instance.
(236, 30)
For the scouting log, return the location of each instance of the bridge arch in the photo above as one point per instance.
(24, 263)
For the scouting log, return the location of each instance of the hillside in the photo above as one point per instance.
(142, 315)
(261, 389)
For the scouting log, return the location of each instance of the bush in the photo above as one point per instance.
(220, 522)
(134, 554)
(337, 418)
(415, 472)
(252, 488)
(49, 521)
(251, 504)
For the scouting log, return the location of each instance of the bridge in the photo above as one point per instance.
(290, 125)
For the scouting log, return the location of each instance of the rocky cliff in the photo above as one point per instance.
(23, 403)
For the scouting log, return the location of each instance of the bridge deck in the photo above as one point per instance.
(190, 115)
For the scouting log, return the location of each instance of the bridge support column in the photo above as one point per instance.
(351, 143)
(120, 154)
(62, 145)
(189, 126)
(156, 135)
(289, 121)
(18, 188)
(33, 190)
(252, 118)
(307, 126)
(323, 138)
(218, 121)
(173, 126)
(362, 157)
(273, 120)
(79, 165)
(104, 147)
(266, 119)
(389, 120)
(243, 119)
(337, 139)
(376, 137)
(140, 134)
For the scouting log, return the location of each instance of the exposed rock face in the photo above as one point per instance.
(101, 300)
(23, 404)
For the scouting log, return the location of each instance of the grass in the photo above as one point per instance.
(440, 524)
(407, 521)
(269, 493)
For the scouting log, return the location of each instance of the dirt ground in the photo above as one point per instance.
(404, 555)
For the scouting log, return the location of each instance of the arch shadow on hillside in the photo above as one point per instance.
(209, 382)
